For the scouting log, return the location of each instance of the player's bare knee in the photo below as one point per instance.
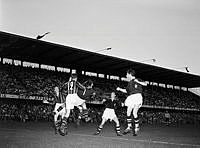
(135, 112)
(117, 122)
(129, 112)
(84, 106)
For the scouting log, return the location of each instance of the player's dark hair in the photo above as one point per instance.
(74, 75)
(88, 83)
(131, 71)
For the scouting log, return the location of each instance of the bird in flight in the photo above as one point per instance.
(41, 36)
(187, 69)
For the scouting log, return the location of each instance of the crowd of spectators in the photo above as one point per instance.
(26, 112)
(37, 82)
(170, 98)
(176, 118)
(9, 83)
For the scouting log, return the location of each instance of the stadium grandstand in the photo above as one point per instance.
(30, 69)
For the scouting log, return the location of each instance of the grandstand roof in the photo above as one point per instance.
(37, 51)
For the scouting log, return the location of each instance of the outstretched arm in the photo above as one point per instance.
(63, 85)
(121, 89)
(79, 85)
(140, 82)
(48, 102)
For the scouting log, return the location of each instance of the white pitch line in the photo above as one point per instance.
(139, 140)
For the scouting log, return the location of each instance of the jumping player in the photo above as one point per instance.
(133, 101)
(72, 100)
(89, 93)
(109, 113)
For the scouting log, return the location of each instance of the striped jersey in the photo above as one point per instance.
(72, 87)
(59, 99)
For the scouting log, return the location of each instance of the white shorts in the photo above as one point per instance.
(109, 114)
(62, 112)
(134, 100)
(73, 100)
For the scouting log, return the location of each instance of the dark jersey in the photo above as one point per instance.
(59, 99)
(72, 87)
(87, 94)
(133, 88)
(110, 104)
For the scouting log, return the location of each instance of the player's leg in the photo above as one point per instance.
(80, 103)
(136, 120)
(77, 116)
(129, 120)
(69, 104)
(100, 127)
(60, 108)
(84, 113)
(80, 111)
(57, 122)
(63, 127)
(117, 126)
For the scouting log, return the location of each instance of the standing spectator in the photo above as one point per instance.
(167, 118)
